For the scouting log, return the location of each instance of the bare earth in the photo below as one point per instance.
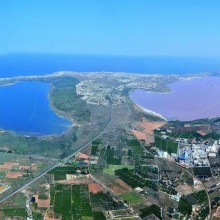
(14, 175)
(8, 165)
(95, 187)
(217, 213)
(119, 187)
(145, 130)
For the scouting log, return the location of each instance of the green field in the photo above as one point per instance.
(95, 146)
(136, 147)
(153, 209)
(132, 197)
(133, 180)
(71, 201)
(12, 212)
(166, 145)
(110, 169)
(111, 158)
(104, 201)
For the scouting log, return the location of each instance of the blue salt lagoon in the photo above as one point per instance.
(188, 100)
(25, 109)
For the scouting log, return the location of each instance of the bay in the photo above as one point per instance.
(25, 109)
(188, 99)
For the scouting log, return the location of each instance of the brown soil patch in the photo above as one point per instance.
(150, 126)
(2, 188)
(43, 203)
(217, 213)
(82, 156)
(139, 135)
(95, 187)
(120, 187)
(34, 166)
(87, 150)
(8, 165)
(14, 175)
(146, 130)
(184, 190)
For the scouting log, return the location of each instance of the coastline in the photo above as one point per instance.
(66, 127)
(150, 112)
(59, 113)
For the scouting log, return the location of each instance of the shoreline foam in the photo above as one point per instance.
(150, 112)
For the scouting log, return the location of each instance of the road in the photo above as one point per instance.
(184, 168)
(28, 182)
(209, 216)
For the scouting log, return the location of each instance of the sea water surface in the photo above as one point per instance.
(25, 109)
(188, 99)
(40, 64)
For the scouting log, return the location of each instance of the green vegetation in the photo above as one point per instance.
(98, 216)
(153, 209)
(132, 197)
(71, 201)
(166, 145)
(149, 172)
(202, 171)
(12, 212)
(37, 216)
(201, 197)
(184, 207)
(134, 180)
(5, 157)
(186, 134)
(204, 212)
(136, 147)
(81, 201)
(95, 146)
(212, 135)
(111, 158)
(110, 169)
(104, 201)
(65, 99)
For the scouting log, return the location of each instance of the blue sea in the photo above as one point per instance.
(39, 64)
(25, 108)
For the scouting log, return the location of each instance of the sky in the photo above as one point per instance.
(111, 27)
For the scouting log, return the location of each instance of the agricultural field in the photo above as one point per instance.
(111, 158)
(14, 207)
(103, 201)
(95, 147)
(147, 172)
(71, 201)
(61, 172)
(202, 171)
(136, 148)
(132, 197)
(134, 180)
(110, 169)
(153, 209)
(166, 145)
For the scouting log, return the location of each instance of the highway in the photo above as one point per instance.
(38, 176)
